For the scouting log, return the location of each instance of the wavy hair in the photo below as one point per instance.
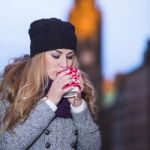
(23, 84)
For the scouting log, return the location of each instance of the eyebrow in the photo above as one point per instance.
(72, 52)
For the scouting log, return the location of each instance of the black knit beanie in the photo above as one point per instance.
(50, 34)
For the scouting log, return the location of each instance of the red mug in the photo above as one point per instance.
(76, 87)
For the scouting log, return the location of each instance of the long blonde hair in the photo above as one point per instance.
(23, 84)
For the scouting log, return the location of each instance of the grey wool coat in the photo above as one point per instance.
(79, 132)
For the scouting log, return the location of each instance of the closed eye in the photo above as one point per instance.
(56, 56)
(71, 57)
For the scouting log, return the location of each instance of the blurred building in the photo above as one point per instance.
(126, 125)
(87, 19)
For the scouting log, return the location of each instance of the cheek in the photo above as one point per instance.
(50, 66)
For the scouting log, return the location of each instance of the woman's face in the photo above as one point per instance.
(57, 60)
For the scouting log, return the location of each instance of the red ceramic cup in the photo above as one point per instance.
(76, 87)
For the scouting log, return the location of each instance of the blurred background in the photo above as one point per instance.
(114, 44)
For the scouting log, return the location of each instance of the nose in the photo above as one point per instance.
(64, 62)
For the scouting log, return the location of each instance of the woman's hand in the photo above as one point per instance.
(56, 90)
(76, 101)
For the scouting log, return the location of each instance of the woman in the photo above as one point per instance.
(34, 113)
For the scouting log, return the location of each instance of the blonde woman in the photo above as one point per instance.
(34, 113)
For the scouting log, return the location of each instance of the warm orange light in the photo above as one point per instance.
(86, 19)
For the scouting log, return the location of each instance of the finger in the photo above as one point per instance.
(66, 77)
(67, 82)
(63, 73)
(64, 80)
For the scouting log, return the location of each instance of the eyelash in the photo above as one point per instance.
(55, 56)
(70, 57)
